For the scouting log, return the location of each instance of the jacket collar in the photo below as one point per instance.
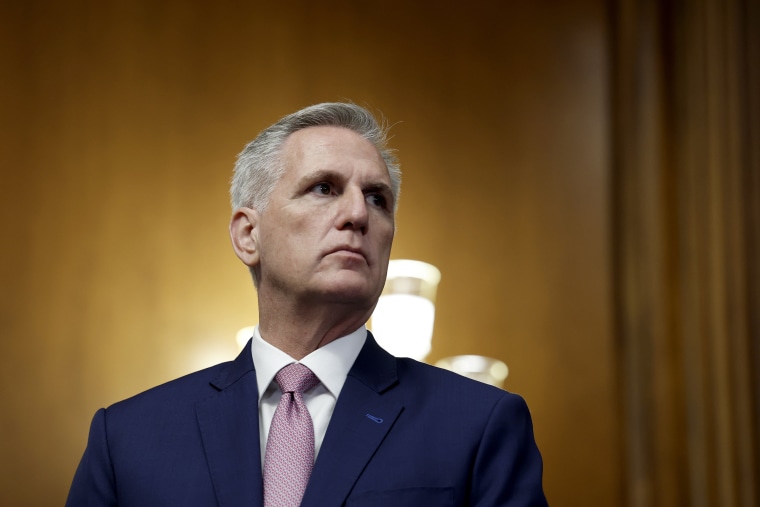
(229, 426)
(235, 370)
(362, 418)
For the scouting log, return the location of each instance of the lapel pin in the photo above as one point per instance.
(373, 418)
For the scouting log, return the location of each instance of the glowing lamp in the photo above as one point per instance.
(403, 319)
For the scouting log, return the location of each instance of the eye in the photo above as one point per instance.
(378, 200)
(321, 188)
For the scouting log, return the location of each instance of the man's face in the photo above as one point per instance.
(327, 230)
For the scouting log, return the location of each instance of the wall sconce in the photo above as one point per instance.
(403, 321)
(482, 368)
(403, 318)
(243, 335)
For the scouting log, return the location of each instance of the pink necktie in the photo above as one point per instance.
(289, 456)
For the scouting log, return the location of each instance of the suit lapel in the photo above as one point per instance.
(229, 426)
(361, 420)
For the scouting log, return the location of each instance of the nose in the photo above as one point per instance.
(354, 214)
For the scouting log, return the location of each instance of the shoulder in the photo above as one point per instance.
(410, 369)
(186, 391)
(430, 382)
(172, 396)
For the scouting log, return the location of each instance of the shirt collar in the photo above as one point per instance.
(329, 363)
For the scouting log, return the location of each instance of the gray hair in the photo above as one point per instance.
(259, 168)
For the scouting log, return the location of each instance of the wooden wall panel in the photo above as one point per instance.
(120, 123)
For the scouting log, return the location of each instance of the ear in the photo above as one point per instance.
(244, 235)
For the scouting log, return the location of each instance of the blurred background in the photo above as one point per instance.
(584, 173)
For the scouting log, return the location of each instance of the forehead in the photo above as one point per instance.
(331, 148)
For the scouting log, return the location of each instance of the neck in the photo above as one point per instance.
(299, 329)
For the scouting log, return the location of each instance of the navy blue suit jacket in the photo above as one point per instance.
(403, 433)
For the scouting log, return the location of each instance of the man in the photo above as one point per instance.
(314, 199)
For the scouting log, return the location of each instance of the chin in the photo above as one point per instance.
(350, 295)
(350, 291)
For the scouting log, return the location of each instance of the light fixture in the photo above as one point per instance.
(243, 335)
(403, 319)
(482, 368)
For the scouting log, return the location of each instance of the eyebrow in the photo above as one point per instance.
(322, 174)
(380, 188)
(330, 175)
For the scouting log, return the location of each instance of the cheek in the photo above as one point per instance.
(292, 229)
(386, 238)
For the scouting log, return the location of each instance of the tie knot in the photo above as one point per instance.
(295, 377)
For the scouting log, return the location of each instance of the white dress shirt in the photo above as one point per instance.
(329, 363)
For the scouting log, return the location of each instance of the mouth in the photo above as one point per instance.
(348, 251)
